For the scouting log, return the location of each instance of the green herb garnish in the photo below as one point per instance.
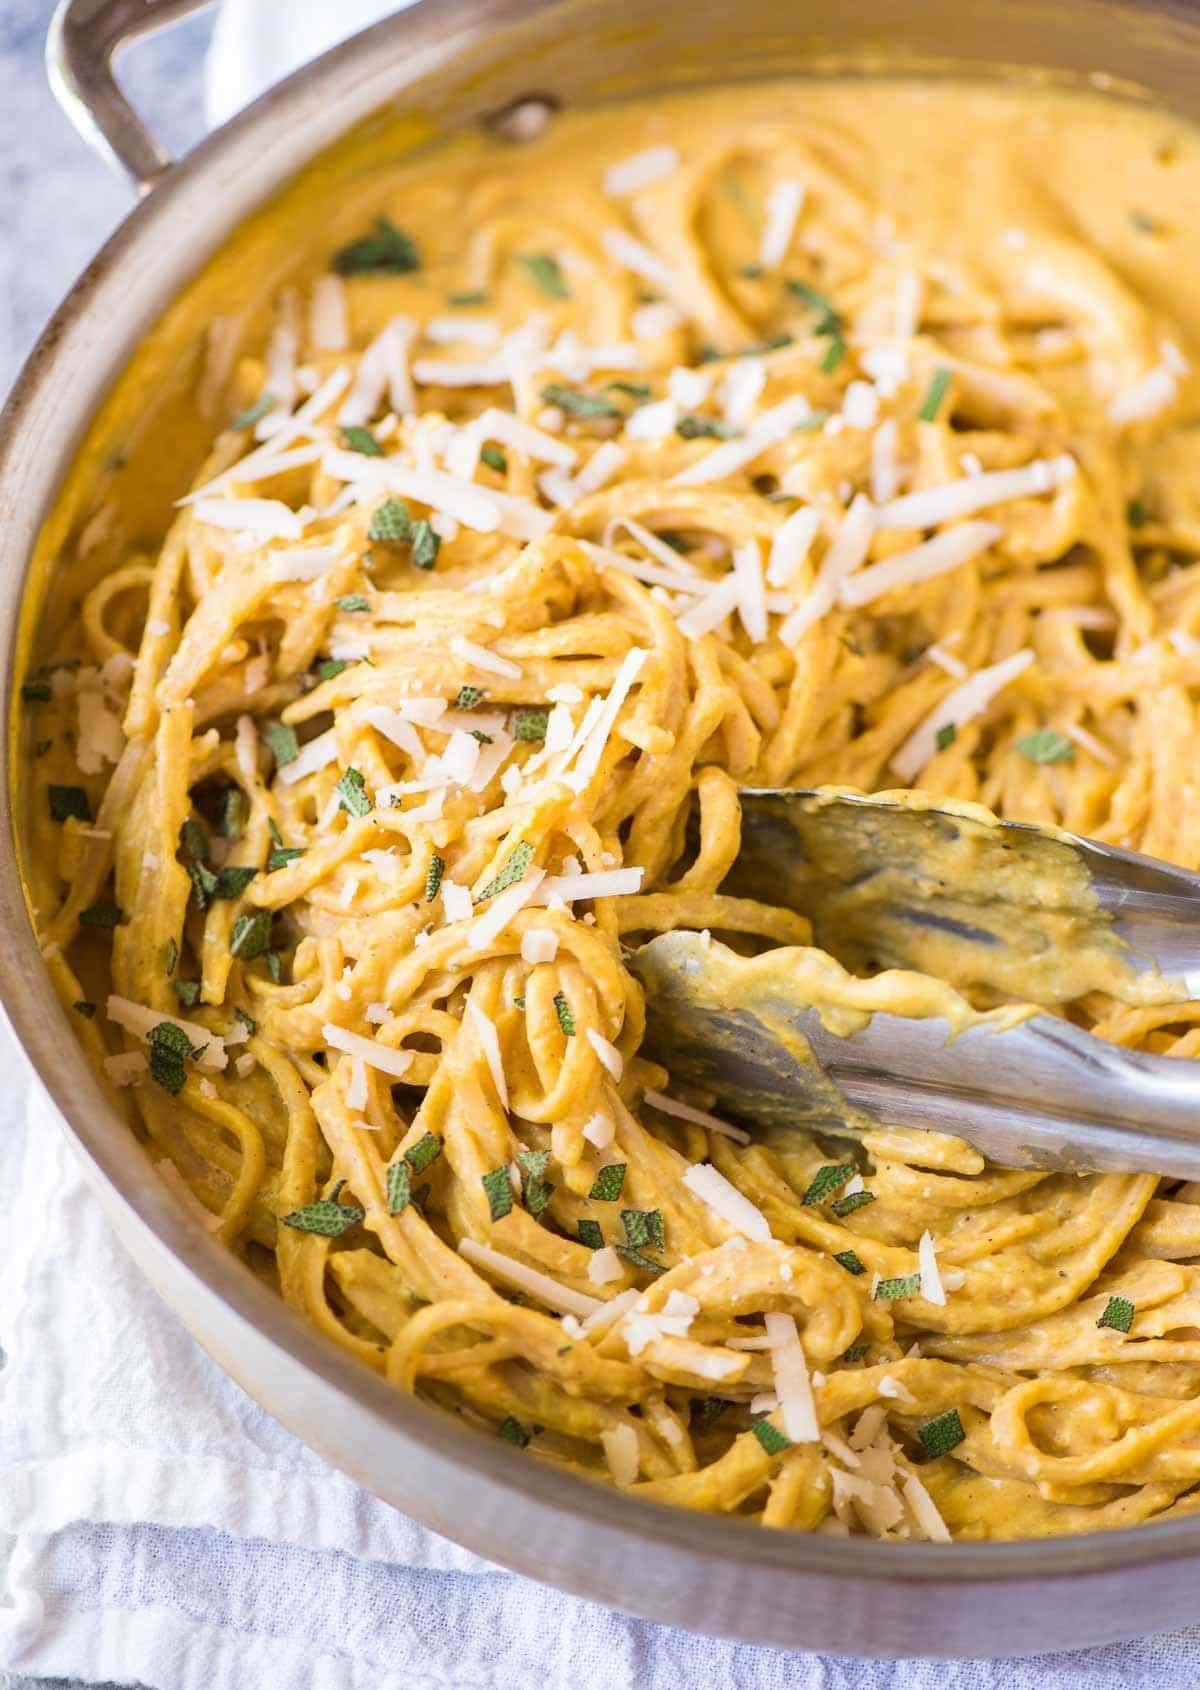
(251, 938)
(631, 389)
(1118, 1314)
(637, 1259)
(529, 724)
(386, 251)
(644, 1227)
(1137, 513)
(512, 1432)
(939, 383)
(590, 1234)
(609, 1183)
(946, 736)
(812, 422)
(231, 881)
(566, 1017)
(328, 1218)
(169, 1046)
(274, 966)
(694, 427)
(941, 1434)
(37, 692)
(433, 877)
(82, 1007)
(471, 296)
(537, 1189)
(709, 1410)
(469, 698)
(69, 801)
(329, 668)
(255, 412)
(232, 818)
(827, 1180)
(834, 353)
(423, 1153)
(494, 458)
(829, 318)
(101, 915)
(856, 1352)
(356, 438)
(576, 404)
(399, 1187)
(770, 1437)
(282, 855)
(391, 521)
(188, 992)
(284, 745)
(498, 1187)
(1046, 746)
(513, 870)
(906, 1285)
(426, 544)
(353, 603)
(352, 794)
(247, 1021)
(850, 1260)
(171, 957)
(847, 1205)
(547, 273)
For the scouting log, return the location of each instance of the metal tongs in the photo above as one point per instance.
(1002, 910)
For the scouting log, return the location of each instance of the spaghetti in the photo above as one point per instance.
(541, 523)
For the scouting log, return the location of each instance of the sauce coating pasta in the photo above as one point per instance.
(824, 435)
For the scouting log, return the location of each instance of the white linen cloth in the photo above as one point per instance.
(162, 1530)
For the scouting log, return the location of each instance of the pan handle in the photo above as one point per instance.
(84, 39)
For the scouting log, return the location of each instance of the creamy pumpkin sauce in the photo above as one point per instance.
(542, 496)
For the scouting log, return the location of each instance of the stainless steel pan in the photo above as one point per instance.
(456, 61)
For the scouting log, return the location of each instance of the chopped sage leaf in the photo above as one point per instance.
(433, 877)
(827, 1180)
(498, 1188)
(1046, 746)
(251, 937)
(576, 404)
(169, 1046)
(694, 427)
(352, 794)
(232, 881)
(101, 915)
(590, 1234)
(356, 438)
(352, 602)
(631, 389)
(282, 855)
(247, 1021)
(81, 1006)
(850, 1261)
(386, 251)
(284, 745)
(1137, 513)
(494, 458)
(834, 353)
(709, 1410)
(566, 1016)
(637, 1259)
(423, 1153)
(399, 1186)
(390, 521)
(537, 1189)
(770, 1437)
(513, 870)
(847, 1205)
(946, 735)
(812, 422)
(856, 1352)
(529, 724)
(470, 698)
(829, 318)
(511, 1431)
(1118, 1314)
(939, 384)
(547, 273)
(255, 412)
(904, 1285)
(469, 296)
(426, 544)
(274, 964)
(69, 801)
(941, 1434)
(328, 1218)
(171, 958)
(609, 1183)
(644, 1226)
(330, 668)
(188, 992)
(232, 820)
